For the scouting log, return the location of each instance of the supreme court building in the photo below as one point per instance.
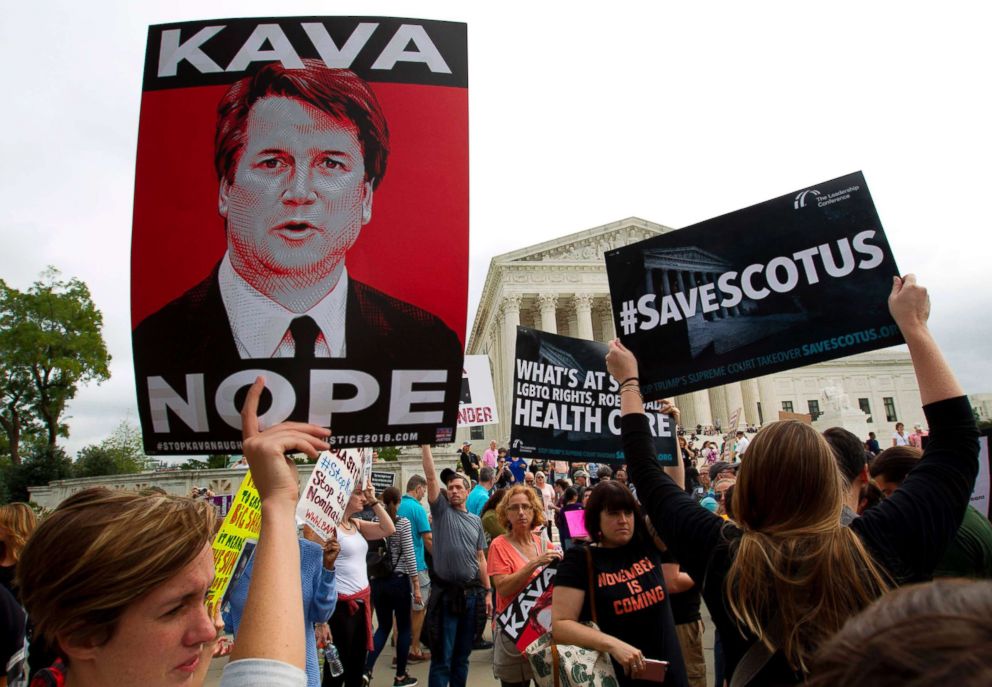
(560, 286)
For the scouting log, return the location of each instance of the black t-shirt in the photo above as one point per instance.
(7, 578)
(469, 462)
(11, 628)
(631, 603)
(685, 605)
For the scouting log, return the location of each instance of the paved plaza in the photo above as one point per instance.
(480, 667)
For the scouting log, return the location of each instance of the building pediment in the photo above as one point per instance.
(688, 258)
(586, 246)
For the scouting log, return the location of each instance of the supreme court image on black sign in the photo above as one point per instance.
(789, 282)
(566, 406)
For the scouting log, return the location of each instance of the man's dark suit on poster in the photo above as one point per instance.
(192, 335)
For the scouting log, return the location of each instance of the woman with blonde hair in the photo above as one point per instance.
(17, 522)
(785, 575)
(516, 558)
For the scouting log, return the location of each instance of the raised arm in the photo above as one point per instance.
(272, 626)
(433, 486)
(910, 308)
(382, 528)
(910, 530)
(689, 531)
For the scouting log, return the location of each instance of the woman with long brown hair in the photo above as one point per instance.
(784, 576)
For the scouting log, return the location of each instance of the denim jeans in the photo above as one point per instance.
(451, 667)
(389, 596)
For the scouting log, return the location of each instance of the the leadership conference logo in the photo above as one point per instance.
(800, 201)
(810, 195)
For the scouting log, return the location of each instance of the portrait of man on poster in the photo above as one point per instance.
(299, 154)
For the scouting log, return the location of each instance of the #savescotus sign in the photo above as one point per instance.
(789, 282)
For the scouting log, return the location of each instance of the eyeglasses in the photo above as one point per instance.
(520, 507)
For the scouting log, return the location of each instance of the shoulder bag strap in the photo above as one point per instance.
(756, 657)
(592, 585)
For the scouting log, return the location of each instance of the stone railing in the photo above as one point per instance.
(223, 481)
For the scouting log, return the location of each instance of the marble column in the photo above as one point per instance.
(549, 319)
(684, 404)
(701, 408)
(718, 406)
(583, 315)
(607, 330)
(510, 309)
(751, 396)
(735, 401)
(770, 404)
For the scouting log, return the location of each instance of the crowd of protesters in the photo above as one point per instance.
(814, 553)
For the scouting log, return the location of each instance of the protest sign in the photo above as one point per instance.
(477, 405)
(331, 483)
(222, 504)
(366, 469)
(261, 145)
(382, 480)
(980, 494)
(789, 282)
(235, 541)
(735, 418)
(566, 405)
(576, 521)
(528, 616)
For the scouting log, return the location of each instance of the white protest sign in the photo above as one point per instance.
(980, 496)
(477, 403)
(734, 420)
(366, 470)
(332, 481)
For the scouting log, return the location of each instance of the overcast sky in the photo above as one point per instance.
(581, 114)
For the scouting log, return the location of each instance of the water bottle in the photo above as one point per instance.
(334, 660)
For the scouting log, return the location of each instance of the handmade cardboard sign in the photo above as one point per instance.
(331, 484)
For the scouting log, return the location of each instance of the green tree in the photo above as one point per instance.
(51, 341)
(6, 467)
(120, 453)
(218, 461)
(215, 461)
(39, 467)
(389, 453)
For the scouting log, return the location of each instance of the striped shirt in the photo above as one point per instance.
(401, 555)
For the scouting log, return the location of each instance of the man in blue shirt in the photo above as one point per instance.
(518, 466)
(481, 492)
(420, 529)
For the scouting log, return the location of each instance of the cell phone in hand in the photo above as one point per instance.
(653, 670)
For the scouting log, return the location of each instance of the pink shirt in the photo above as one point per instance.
(489, 457)
(548, 492)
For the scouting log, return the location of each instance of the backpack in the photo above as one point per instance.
(379, 560)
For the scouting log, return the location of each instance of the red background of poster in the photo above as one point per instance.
(415, 248)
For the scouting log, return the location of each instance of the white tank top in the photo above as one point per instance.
(351, 574)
